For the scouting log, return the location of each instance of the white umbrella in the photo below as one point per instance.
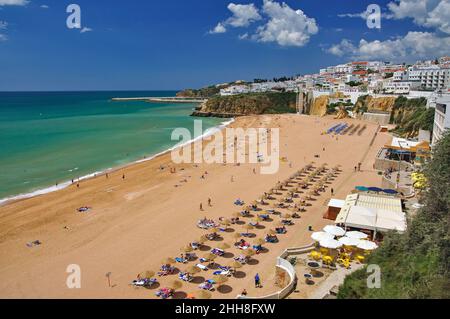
(319, 235)
(356, 234)
(334, 230)
(347, 241)
(330, 243)
(367, 245)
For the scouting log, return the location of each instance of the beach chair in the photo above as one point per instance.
(206, 286)
(181, 260)
(202, 267)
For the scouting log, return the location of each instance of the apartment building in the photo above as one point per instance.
(441, 117)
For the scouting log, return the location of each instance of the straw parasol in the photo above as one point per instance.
(220, 279)
(237, 214)
(235, 265)
(210, 256)
(286, 215)
(248, 252)
(147, 274)
(272, 232)
(334, 230)
(168, 261)
(318, 236)
(176, 284)
(260, 241)
(225, 222)
(203, 239)
(223, 246)
(213, 230)
(203, 294)
(187, 249)
(356, 234)
(237, 236)
(248, 227)
(192, 270)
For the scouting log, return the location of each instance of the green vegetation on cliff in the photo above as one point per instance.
(412, 115)
(415, 264)
(202, 93)
(251, 103)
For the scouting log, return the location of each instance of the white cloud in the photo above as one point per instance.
(413, 45)
(3, 37)
(3, 25)
(425, 13)
(286, 26)
(44, 6)
(13, 2)
(243, 36)
(243, 15)
(85, 29)
(219, 28)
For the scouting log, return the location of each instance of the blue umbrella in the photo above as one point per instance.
(390, 191)
(375, 189)
(361, 188)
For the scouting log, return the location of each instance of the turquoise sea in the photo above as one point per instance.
(49, 138)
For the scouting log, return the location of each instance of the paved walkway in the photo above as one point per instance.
(335, 279)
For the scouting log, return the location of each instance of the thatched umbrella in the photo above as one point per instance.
(213, 230)
(168, 261)
(192, 270)
(210, 256)
(248, 227)
(176, 284)
(147, 274)
(279, 224)
(237, 236)
(223, 246)
(272, 232)
(235, 265)
(203, 239)
(260, 241)
(237, 214)
(220, 279)
(248, 252)
(286, 215)
(225, 222)
(203, 294)
(187, 249)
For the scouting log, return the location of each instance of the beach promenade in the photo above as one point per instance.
(143, 214)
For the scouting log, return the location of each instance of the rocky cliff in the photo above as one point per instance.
(248, 104)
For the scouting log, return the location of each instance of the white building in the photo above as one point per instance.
(441, 117)
(432, 77)
(403, 87)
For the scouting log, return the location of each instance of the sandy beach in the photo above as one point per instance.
(138, 221)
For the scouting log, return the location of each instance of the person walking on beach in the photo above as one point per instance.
(123, 176)
(201, 206)
(209, 202)
(257, 281)
(332, 192)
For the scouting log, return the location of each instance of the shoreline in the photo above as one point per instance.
(55, 188)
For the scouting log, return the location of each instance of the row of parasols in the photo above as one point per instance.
(326, 238)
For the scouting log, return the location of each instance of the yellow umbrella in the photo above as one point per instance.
(225, 222)
(272, 232)
(248, 227)
(213, 230)
(237, 236)
(286, 215)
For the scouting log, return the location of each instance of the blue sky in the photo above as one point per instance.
(168, 44)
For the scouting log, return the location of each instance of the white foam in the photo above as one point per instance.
(54, 188)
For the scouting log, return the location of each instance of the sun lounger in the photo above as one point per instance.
(202, 267)
(181, 260)
(206, 286)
